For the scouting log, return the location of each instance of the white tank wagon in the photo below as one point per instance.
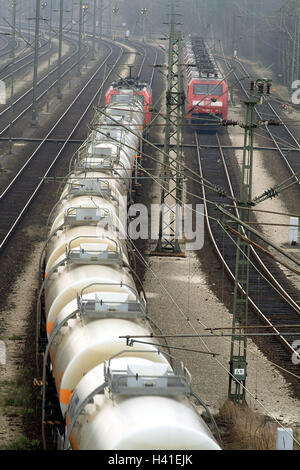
(91, 299)
(135, 420)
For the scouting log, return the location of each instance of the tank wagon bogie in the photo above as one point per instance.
(204, 86)
(111, 394)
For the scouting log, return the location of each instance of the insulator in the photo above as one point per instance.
(272, 122)
(229, 122)
(261, 88)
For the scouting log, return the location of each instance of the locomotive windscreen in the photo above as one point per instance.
(208, 89)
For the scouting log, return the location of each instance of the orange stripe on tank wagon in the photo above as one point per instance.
(73, 442)
(72, 436)
(49, 326)
(54, 369)
(65, 396)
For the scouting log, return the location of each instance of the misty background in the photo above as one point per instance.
(267, 31)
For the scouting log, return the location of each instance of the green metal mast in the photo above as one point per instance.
(36, 58)
(80, 34)
(171, 195)
(61, 15)
(72, 18)
(296, 46)
(100, 22)
(238, 362)
(14, 16)
(12, 55)
(50, 50)
(94, 29)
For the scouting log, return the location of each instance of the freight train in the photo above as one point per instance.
(205, 88)
(101, 392)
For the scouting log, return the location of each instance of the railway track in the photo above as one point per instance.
(33, 211)
(20, 63)
(4, 44)
(16, 198)
(23, 103)
(281, 136)
(21, 58)
(273, 302)
(144, 72)
(6, 48)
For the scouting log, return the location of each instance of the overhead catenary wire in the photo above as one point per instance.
(273, 224)
(277, 189)
(131, 340)
(212, 186)
(255, 245)
(219, 191)
(207, 347)
(193, 172)
(218, 220)
(255, 267)
(266, 194)
(161, 178)
(264, 211)
(203, 335)
(258, 234)
(248, 327)
(193, 210)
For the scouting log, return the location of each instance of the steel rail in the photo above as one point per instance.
(284, 294)
(136, 44)
(16, 178)
(43, 93)
(13, 72)
(275, 112)
(266, 127)
(5, 45)
(225, 264)
(3, 51)
(20, 59)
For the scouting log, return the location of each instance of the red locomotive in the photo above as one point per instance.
(141, 89)
(205, 88)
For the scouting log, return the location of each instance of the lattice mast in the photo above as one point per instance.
(238, 352)
(171, 195)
